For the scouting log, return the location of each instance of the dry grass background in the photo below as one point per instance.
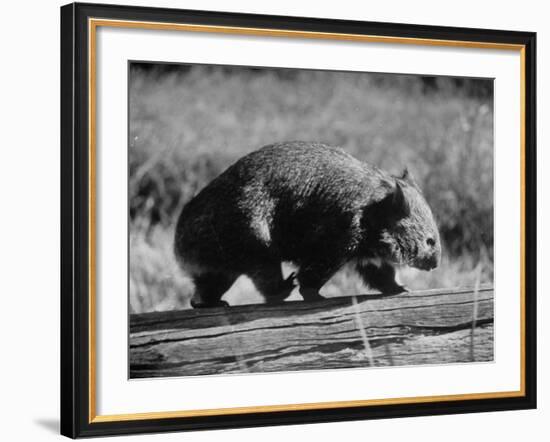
(188, 124)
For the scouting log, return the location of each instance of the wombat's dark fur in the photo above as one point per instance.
(313, 205)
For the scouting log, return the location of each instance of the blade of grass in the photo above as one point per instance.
(362, 331)
(474, 311)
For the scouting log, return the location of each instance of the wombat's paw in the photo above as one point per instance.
(394, 289)
(275, 300)
(290, 281)
(198, 304)
(285, 288)
(311, 295)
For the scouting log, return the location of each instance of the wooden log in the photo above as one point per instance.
(433, 326)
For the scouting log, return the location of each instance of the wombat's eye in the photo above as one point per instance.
(430, 242)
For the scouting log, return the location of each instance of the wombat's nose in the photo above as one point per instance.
(428, 262)
(431, 262)
(435, 260)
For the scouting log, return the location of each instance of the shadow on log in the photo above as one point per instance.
(428, 327)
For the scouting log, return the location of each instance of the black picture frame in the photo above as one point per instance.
(76, 403)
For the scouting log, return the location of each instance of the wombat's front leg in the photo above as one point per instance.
(209, 288)
(380, 278)
(268, 279)
(312, 277)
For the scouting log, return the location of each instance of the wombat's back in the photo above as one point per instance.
(299, 171)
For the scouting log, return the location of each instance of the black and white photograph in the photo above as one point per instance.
(292, 219)
(275, 221)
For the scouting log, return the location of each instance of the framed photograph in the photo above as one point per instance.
(275, 220)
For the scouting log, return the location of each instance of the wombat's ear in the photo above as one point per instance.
(399, 204)
(390, 209)
(408, 178)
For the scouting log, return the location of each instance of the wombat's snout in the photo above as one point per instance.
(430, 258)
(429, 262)
(433, 261)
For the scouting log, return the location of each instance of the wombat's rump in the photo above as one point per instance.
(310, 204)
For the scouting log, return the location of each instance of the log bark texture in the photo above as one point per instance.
(428, 327)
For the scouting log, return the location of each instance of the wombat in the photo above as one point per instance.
(310, 204)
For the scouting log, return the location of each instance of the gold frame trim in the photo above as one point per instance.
(93, 24)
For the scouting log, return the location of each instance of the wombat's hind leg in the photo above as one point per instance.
(312, 277)
(269, 281)
(380, 277)
(209, 288)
